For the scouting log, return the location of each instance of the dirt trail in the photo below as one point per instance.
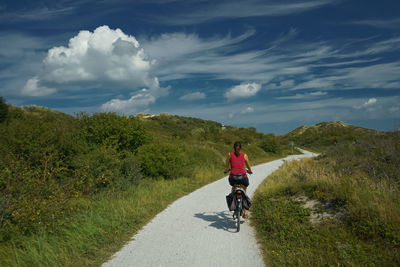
(198, 230)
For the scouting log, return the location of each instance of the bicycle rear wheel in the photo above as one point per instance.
(238, 211)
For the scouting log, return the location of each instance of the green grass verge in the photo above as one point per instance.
(102, 225)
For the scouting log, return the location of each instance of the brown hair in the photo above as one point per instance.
(237, 143)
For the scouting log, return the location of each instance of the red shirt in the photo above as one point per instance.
(237, 163)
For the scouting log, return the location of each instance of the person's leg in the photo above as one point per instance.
(245, 184)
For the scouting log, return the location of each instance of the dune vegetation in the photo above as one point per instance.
(339, 209)
(74, 189)
(325, 134)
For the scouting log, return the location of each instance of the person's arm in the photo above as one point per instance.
(227, 163)
(246, 160)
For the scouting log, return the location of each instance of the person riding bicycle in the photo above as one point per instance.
(237, 160)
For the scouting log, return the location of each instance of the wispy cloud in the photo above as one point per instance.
(181, 56)
(383, 23)
(209, 11)
(384, 75)
(290, 65)
(37, 14)
(303, 96)
(193, 96)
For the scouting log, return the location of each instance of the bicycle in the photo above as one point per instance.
(238, 212)
(239, 192)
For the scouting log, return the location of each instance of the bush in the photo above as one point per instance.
(46, 160)
(96, 169)
(35, 171)
(3, 110)
(270, 143)
(131, 172)
(105, 167)
(162, 160)
(110, 129)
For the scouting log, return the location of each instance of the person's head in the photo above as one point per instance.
(237, 146)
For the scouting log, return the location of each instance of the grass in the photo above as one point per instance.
(367, 233)
(101, 226)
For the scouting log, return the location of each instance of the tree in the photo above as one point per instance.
(3, 109)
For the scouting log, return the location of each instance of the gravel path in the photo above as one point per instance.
(198, 230)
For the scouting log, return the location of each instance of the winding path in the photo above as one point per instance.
(198, 230)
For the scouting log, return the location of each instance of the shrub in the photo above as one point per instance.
(96, 169)
(270, 143)
(105, 167)
(110, 129)
(162, 160)
(35, 153)
(131, 172)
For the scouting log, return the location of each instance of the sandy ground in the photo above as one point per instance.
(198, 230)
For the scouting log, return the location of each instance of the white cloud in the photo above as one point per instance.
(32, 88)
(318, 93)
(138, 102)
(243, 91)
(103, 59)
(370, 102)
(305, 95)
(193, 96)
(105, 55)
(247, 110)
(240, 112)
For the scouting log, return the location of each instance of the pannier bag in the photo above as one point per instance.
(230, 201)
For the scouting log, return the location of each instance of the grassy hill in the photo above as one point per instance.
(326, 134)
(73, 189)
(339, 209)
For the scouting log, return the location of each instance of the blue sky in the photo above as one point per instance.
(273, 65)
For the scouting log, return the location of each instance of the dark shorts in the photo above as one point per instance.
(244, 181)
